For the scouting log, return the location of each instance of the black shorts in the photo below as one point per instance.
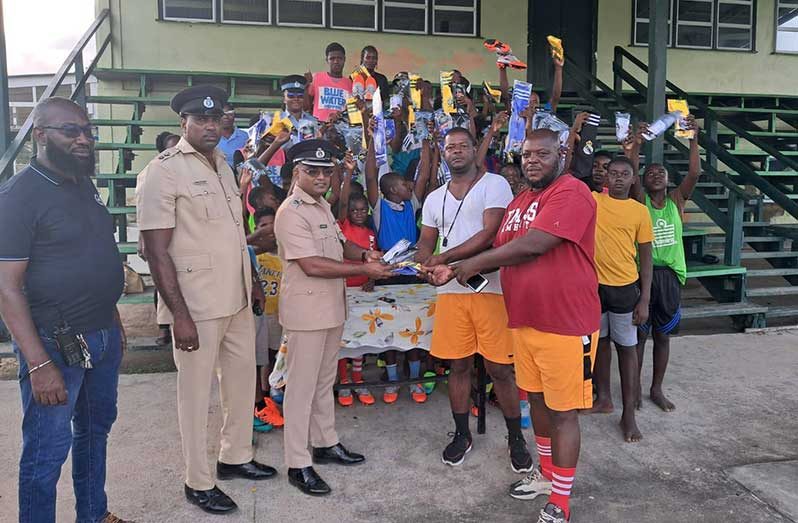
(665, 311)
(619, 299)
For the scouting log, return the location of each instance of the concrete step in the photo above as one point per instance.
(771, 291)
(763, 273)
(722, 309)
(786, 311)
(756, 255)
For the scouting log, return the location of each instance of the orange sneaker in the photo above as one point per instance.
(270, 414)
(345, 398)
(390, 395)
(417, 393)
(475, 411)
(509, 60)
(365, 397)
(497, 45)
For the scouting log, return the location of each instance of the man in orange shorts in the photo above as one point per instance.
(545, 250)
(465, 214)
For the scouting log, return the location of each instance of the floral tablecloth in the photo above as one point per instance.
(393, 317)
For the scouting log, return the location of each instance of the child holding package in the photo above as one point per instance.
(353, 214)
(269, 331)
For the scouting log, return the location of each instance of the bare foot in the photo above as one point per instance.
(661, 401)
(631, 434)
(603, 407)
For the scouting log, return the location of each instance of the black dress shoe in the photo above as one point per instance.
(306, 480)
(213, 501)
(252, 470)
(337, 454)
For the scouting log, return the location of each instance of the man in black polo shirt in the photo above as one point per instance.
(60, 279)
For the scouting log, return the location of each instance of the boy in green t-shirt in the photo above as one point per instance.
(670, 269)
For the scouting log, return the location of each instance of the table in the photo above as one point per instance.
(397, 317)
(392, 317)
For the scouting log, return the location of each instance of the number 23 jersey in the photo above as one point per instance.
(558, 291)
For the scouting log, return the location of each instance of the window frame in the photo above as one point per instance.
(715, 25)
(212, 20)
(369, 3)
(788, 3)
(244, 22)
(457, 9)
(323, 25)
(730, 25)
(689, 23)
(425, 7)
(638, 20)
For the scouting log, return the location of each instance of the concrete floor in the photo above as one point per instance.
(736, 401)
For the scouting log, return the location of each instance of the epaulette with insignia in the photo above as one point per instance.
(166, 154)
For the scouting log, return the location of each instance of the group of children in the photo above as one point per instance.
(378, 202)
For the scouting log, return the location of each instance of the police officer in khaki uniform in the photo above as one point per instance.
(312, 312)
(190, 217)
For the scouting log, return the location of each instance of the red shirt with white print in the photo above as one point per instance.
(558, 291)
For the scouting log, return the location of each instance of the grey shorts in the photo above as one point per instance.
(619, 327)
(268, 333)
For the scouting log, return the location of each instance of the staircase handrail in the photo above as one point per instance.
(75, 58)
(617, 67)
(716, 175)
(747, 173)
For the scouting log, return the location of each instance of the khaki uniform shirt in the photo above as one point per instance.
(181, 190)
(305, 227)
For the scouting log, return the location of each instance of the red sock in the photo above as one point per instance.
(522, 394)
(357, 370)
(561, 483)
(544, 455)
(342, 370)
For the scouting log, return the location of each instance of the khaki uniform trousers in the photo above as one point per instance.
(308, 405)
(227, 349)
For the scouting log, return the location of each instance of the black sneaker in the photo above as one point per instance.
(454, 453)
(551, 513)
(520, 458)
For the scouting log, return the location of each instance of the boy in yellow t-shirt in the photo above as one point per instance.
(623, 231)
(269, 332)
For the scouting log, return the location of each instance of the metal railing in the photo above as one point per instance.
(713, 149)
(73, 61)
(732, 219)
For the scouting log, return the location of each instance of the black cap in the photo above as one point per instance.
(317, 153)
(293, 82)
(199, 99)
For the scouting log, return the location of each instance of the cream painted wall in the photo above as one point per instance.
(761, 72)
(141, 41)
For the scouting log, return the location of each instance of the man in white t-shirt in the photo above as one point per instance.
(465, 215)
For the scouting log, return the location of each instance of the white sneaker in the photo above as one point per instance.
(533, 485)
(551, 513)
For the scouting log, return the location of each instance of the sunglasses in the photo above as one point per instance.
(231, 112)
(315, 172)
(71, 130)
(289, 94)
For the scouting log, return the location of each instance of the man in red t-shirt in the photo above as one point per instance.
(545, 250)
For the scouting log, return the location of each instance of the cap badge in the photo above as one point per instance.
(208, 102)
(319, 153)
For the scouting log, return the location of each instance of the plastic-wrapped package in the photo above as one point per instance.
(661, 124)
(517, 123)
(623, 122)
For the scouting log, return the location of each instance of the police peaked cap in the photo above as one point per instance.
(293, 82)
(205, 100)
(316, 153)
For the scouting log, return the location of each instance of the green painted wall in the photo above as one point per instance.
(143, 42)
(760, 72)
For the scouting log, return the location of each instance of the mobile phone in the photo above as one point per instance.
(476, 282)
(386, 299)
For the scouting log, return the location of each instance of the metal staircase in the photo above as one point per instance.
(744, 207)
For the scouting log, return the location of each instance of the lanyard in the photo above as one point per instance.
(445, 241)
